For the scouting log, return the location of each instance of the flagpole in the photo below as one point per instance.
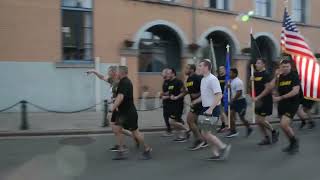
(286, 2)
(253, 95)
(255, 44)
(229, 98)
(252, 85)
(214, 63)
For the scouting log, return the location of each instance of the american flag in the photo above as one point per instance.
(293, 43)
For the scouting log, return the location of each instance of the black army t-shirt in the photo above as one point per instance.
(260, 81)
(193, 84)
(125, 87)
(286, 84)
(174, 88)
(165, 87)
(222, 82)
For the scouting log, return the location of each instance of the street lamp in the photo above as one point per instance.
(245, 17)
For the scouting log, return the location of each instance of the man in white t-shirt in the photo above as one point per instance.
(211, 98)
(238, 104)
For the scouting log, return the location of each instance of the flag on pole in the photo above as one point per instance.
(255, 54)
(255, 51)
(293, 43)
(227, 82)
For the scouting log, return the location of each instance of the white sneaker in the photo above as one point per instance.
(167, 134)
(232, 134)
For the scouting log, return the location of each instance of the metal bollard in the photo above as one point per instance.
(143, 102)
(105, 122)
(24, 119)
(157, 100)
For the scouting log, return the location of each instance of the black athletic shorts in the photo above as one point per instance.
(196, 109)
(264, 107)
(288, 108)
(166, 111)
(306, 103)
(175, 111)
(215, 113)
(114, 116)
(128, 120)
(239, 106)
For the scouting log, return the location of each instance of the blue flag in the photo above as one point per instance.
(227, 79)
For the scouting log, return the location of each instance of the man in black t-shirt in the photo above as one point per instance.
(176, 93)
(288, 87)
(113, 79)
(223, 116)
(128, 116)
(264, 104)
(193, 89)
(165, 98)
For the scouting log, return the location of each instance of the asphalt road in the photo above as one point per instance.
(87, 157)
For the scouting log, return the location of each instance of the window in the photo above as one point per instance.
(77, 29)
(77, 3)
(219, 4)
(159, 48)
(263, 8)
(299, 10)
(152, 57)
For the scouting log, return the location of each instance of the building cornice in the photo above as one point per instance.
(228, 12)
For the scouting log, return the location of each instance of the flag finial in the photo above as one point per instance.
(286, 3)
(228, 47)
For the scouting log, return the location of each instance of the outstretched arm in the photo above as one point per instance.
(99, 75)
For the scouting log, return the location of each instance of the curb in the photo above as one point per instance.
(92, 132)
(68, 132)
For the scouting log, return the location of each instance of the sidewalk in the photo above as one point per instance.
(85, 122)
(71, 123)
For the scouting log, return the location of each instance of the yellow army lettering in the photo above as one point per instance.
(258, 78)
(171, 87)
(285, 83)
(189, 84)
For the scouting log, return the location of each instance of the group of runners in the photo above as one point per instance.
(208, 107)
